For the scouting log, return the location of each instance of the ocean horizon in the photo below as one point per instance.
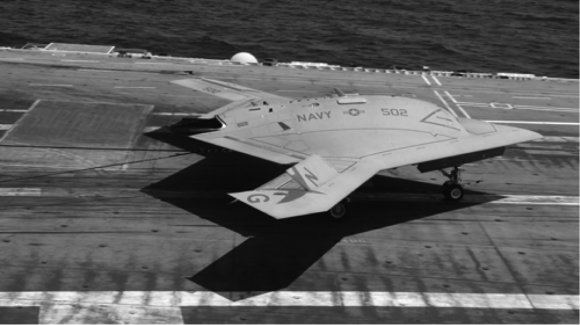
(539, 37)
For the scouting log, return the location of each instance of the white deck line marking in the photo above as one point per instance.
(514, 159)
(520, 107)
(557, 139)
(451, 97)
(82, 61)
(406, 197)
(474, 104)
(546, 109)
(550, 153)
(458, 106)
(537, 200)
(48, 299)
(153, 63)
(436, 80)
(533, 122)
(531, 97)
(17, 122)
(4, 127)
(14, 111)
(296, 91)
(109, 71)
(127, 87)
(484, 199)
(95, 102)
(445, 103)
(177, 114)
(556, 95)
(99, 70)
(488, 91)
(21, 191)
(426, 80)
(155, 94)
(49, 85)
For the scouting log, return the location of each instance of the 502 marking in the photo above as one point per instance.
(394, 112)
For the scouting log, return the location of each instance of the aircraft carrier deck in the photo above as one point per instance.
(105, 217)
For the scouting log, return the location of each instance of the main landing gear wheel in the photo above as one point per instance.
(338, 211)
(453, 192)
(452, 189)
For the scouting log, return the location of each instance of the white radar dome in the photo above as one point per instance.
(244, 58)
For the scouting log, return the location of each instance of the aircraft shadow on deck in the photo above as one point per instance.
(277, 252)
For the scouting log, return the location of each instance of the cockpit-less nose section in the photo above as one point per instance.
(336, 143)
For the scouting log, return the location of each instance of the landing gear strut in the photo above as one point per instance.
(452, 189)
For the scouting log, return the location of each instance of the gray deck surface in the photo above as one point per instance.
(102, 221)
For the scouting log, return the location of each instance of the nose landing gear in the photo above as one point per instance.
(452, 189)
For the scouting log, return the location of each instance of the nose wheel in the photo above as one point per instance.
(452, 189)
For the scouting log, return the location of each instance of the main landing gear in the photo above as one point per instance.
(452, 189)
(338, 211)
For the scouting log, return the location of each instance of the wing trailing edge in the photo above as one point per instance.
(311, 186)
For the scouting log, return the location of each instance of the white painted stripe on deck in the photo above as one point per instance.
(296, 91)
(108, 314)
(4, 127)
(445, 103)
(166, 63)
(532, 199)
(480, 105)
(533, 122)
(399, 197)
(49, 85)
(531, 97)
(456, 104)
(426, 80)
(20, 191)
(36, 102)
(483, 199)
(550, 153)
(514, 159)
(557, 139)
(545, 109)
(128, 87)
(176, 114)
(82, 61)
(436, 80)
(292, 299)
(14, 110)
(24, 111)
(107, 71)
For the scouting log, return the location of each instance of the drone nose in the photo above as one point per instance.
(517, 134)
